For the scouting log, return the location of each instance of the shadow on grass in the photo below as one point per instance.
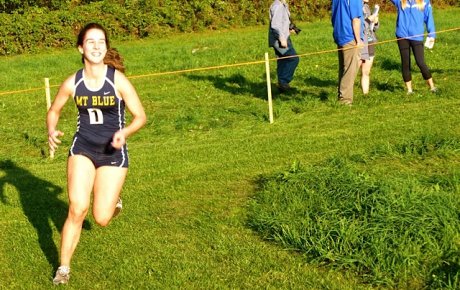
(40, 203)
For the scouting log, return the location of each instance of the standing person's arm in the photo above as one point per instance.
(429, 20)
(54, 112)
(357, 16)
(356, 23)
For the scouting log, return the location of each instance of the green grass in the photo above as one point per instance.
(395, 227)
(195, 167)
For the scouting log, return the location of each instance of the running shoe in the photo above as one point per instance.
(118, 207)
(62, 275)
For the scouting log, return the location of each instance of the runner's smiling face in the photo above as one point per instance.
(94, 46)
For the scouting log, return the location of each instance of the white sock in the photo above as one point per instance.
(64, 269)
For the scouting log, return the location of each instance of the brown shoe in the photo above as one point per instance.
(346, 102)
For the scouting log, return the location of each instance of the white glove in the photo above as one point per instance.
(429, 42)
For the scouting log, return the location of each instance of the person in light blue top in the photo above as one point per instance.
(347, 21)
(413, 17)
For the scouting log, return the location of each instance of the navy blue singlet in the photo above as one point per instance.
(100, 114)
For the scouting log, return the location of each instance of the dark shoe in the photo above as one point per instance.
(283, 88)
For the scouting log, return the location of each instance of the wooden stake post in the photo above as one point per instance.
(269, 88)
(48, 105)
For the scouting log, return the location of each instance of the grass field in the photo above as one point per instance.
(196, 167)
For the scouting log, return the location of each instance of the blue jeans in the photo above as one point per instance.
(286, 66)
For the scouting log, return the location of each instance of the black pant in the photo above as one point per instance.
(417, 48)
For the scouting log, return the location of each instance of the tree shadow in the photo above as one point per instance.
(297, 95)
(317, 82)
(443, 71)
(235, 84)
(40, 203)
(388, 64)
(385, 86)
(320, 94)
(447, 271)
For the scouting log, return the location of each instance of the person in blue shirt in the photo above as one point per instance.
(413, 16)
(98, 157)
(347, 22)
(279, 38)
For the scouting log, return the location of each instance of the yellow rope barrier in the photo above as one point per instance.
(225, 65)
(25, 90)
